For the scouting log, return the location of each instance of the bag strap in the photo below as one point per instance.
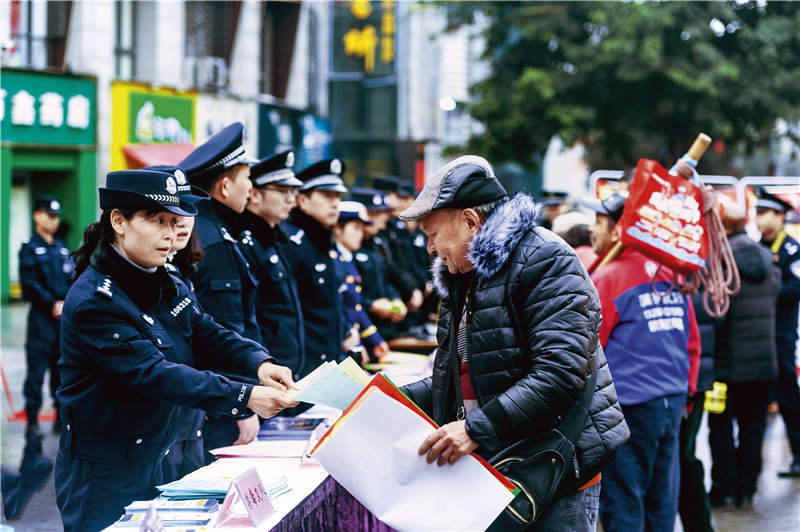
(572, 424)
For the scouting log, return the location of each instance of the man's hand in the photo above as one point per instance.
(352, 340)
(380, 350)
(275, 376)
(399, 311)
(448, 444)
(381, 307)
(416, 299)
(248, 430)
(58, 307)
(266, 401)
(428, 288)
(684, 169)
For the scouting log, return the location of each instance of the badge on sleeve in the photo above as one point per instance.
(795, 268)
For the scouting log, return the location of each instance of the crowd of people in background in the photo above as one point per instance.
(313, 271)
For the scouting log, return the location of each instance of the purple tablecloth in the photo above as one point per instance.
(332, 509)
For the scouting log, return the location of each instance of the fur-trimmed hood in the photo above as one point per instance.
(492, 246)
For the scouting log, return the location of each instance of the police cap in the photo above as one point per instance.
(49, 204)
(374, 200)
(144, 189)
(187, 192)
(771, 201)
(353, 210)
(275, 170)
(323, 175)
(222, 151)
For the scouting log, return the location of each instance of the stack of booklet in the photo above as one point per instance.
(194, 513)
(372, 451)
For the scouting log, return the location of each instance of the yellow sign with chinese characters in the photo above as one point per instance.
(369, 36)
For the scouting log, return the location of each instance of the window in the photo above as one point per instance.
(278, 31)
(125, 39)
(39, 31)
(210, 31)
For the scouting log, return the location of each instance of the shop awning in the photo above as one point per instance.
(141, 155)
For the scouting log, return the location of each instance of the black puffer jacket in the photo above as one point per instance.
(528, 282)
(746, 338)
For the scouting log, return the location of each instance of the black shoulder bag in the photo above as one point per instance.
(544, 467)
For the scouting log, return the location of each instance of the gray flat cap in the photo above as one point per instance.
(467, 181)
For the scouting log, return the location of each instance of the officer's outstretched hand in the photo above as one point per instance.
(275, 376)
(266, 401)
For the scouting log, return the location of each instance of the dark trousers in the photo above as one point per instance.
(218, 432)
(182, 458)
(41, 355)
(640, 486)
(788, 396)
(91, 495)
(735, 469)
(693, 503)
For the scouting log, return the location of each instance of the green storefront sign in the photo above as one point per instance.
(44, 109)
(160, 118)
(48, 137)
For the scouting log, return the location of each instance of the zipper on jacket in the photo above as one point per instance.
(468, 330)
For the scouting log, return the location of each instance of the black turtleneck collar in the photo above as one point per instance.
(233, 221)
(266, 234)
(145, 289)
(318, 234)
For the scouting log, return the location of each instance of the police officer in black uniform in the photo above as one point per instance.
(349, 234)
(131, 338)
(311, 257)
(770, 219)
(398, 250)
(186, 454)
(45, 272)
(278, 311)
(224, 281)
(379, 296)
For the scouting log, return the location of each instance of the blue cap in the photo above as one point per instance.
(220, 152)
(49, 204)
(144, 189)
(374, 200)
(187, 192)
(275, 170)
(386, 183)
(324, 175)
(353, 210)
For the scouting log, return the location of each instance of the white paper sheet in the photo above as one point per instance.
(373, 455)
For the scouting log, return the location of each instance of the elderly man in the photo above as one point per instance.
(518, 334)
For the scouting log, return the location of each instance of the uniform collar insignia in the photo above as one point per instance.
(147, 318)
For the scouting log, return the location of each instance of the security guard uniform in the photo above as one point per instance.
(786, 254)
(350, 287)
(312, 257)
(224, 282)
(186, 454)
(130, 342)
(278, 311)
(45, 273)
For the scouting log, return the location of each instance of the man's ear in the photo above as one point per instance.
(471, 219)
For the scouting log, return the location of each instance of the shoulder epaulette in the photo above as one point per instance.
(297, 238)
(104, 287)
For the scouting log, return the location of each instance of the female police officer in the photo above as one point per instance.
(131, 338)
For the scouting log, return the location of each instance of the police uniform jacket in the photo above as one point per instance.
(224, 282)
(45, 273)
(372, 268)
(278, 312)
(130, 343)
(311, 257)
(189, 420)
(354, 310)
(398, 252)
(786, 254)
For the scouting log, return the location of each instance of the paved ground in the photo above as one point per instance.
(776, 506)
